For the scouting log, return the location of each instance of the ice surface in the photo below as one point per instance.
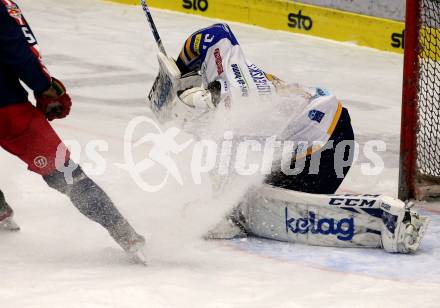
(106, 56)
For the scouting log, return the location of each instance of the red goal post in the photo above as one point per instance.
(419, 176)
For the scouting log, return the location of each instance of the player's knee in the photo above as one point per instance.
(63, 182)
(86, 196)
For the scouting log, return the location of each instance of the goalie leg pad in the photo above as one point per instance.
(408, 236)
(231, 226)
(333, 220)
(292, 216)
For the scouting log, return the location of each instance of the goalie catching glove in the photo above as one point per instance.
(177, 97)
(55, 103)
(192, 104)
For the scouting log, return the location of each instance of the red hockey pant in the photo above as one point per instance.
(25, 133)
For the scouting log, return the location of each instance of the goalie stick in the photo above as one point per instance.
(153, 27)
(157, 36)
(169, 80)
(163, 91)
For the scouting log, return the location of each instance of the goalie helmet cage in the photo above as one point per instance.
(419, 174)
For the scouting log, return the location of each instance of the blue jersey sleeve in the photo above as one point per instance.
(196, 46)
(18, 53)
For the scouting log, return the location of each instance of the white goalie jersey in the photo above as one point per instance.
(216, 54)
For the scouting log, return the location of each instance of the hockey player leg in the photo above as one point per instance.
(30, 137)
(95, 204)
(7, 222)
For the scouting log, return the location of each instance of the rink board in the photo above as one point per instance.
(295, 17)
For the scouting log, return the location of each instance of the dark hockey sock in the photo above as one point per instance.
(87, 197)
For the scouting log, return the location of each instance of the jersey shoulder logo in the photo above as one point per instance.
(316, 115)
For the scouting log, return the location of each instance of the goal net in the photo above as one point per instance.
(420, 133)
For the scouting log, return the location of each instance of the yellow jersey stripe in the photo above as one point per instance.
(182, 56)
(335, 121)
(189, 52)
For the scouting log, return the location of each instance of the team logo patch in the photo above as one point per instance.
(343, 229)
(354, 201)
(40, 162)
(218, 61)
(316, 115)
(197, 41)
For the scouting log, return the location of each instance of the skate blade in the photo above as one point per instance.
(9, 225)
(138, 257)
(137, 253)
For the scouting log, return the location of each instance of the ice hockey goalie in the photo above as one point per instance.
(212, 74)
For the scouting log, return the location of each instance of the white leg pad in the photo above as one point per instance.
(332, 220)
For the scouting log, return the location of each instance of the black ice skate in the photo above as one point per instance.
(7, 222)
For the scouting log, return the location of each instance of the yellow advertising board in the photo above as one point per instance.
(295, 17)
